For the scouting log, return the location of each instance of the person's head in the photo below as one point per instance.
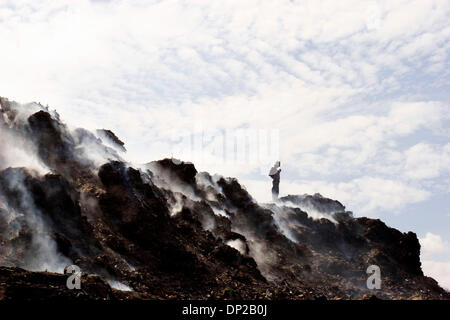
(277, 164)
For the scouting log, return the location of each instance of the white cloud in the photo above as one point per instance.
(425, 161)
(364, 196)
(440, 271)
(406, 117)
(342, 80)
(433, 243)
(71, 38)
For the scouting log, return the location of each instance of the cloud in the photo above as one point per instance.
(432, 244)
(439, 271)
(183, 42)
(424, 161)
(358, 93)
(364, 196)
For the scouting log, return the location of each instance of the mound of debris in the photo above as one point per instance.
(111, 137)
(165, 231)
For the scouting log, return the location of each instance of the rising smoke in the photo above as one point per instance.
(66, 197)
(21, 157)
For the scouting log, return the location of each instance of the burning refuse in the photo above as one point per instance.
(164, 230)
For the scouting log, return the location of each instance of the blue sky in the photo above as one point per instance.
(357, 90)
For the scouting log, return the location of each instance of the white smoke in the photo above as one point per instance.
(164, 179)
(237, 244)
(42, 254)
(220, 212)
(208, 223)
(263, 257)
(90, 147)
(119, 285)
(18, 152)
(19, 113)
(311, 211)
(46, 256)
(129, 265)
(205, 182)
(175, 204)
(283, 222)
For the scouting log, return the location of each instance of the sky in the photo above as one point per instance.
(352, 95)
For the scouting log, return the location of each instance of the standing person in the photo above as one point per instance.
(275, 175)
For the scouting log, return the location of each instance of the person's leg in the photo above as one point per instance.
(275, 189)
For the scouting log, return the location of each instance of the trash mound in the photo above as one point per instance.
(165, 231)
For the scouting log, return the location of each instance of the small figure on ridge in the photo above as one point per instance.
(275, 175)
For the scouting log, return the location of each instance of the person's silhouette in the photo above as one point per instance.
(275, 175)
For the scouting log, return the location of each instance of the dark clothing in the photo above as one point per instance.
(275, 185)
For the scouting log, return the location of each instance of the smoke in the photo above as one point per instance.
(238, 244)
(110, 139)
(129, 266)
(175, 204)
(255, 246)
(44, 256)
(312, 211)
(16, 151)
(9, 221)
(90, 150)
(209, 185)
(164, 179)
(208, 222)
(282, 221)
(27, 235)
(272, 234)
(263, 256)
(25, 220)
(219, 212)
(119, 285)
(16, 114)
